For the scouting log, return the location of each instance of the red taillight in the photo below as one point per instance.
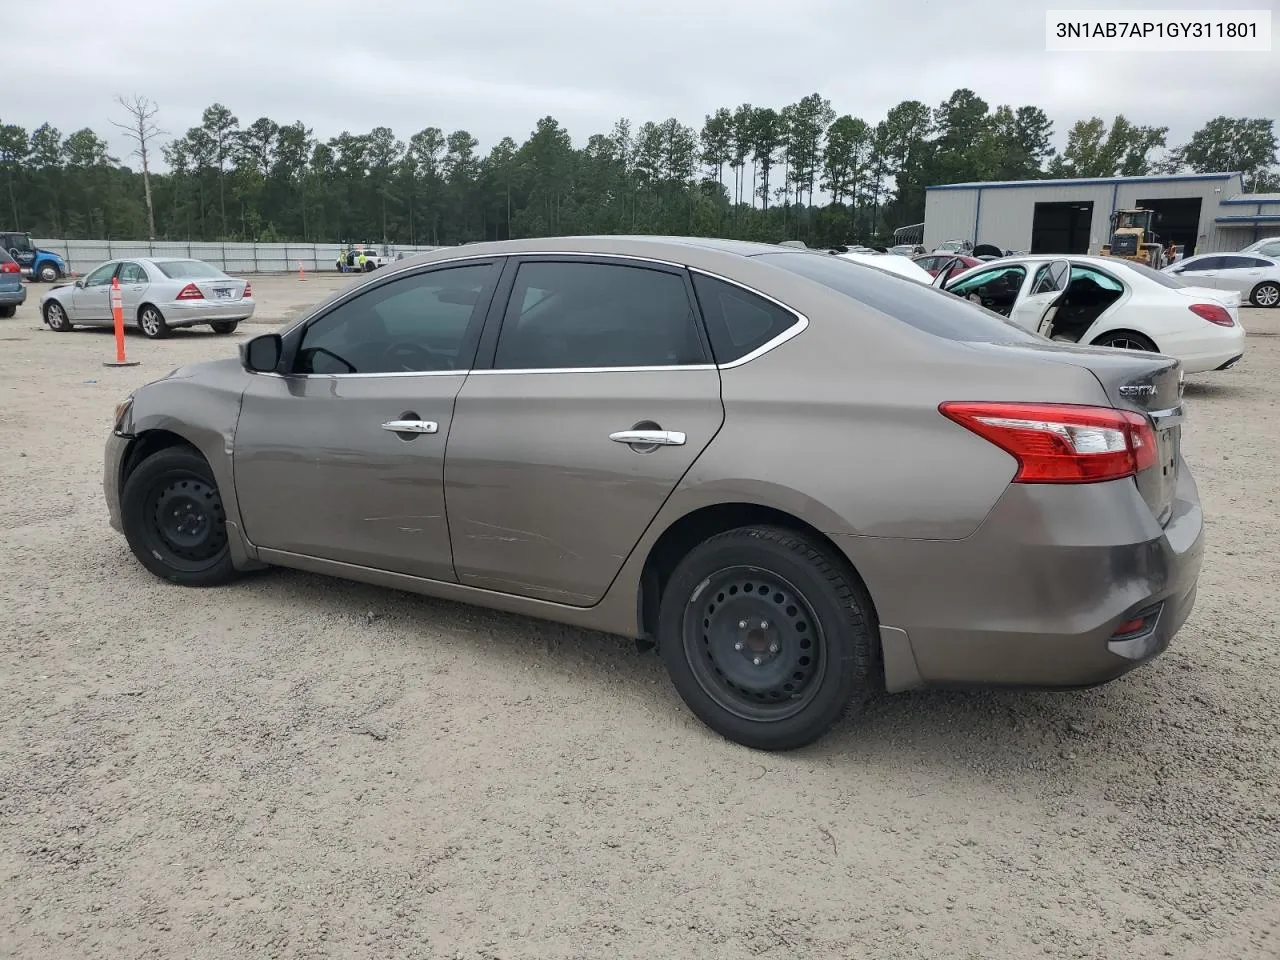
(1061, 442)
(1213, 312)
(189, 292)
(248, 291)
(10, 266)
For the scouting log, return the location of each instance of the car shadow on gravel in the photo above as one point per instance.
(993, 733)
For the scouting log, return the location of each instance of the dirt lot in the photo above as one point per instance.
(298, 767)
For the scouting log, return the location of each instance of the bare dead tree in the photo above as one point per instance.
(141, 129)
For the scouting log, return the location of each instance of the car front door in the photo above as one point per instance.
(600, 395)
(91, 302)
(134, 283)
(1200, 271)
(340, 456)
(1035, 309)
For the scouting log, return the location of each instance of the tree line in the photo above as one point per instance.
(751, 172)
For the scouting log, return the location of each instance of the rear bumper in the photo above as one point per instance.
(13, 297)
(1208, 350)
(1035, 596)
(181, 314)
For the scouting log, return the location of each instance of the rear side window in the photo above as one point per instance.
(738, 321)
(188, 270)
(925, 308)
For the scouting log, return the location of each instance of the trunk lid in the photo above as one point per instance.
(221, 289)
(1146, 383)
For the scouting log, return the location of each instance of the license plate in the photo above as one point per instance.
(222, 293)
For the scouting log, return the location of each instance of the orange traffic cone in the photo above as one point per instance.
(117, 314)
(302, 275)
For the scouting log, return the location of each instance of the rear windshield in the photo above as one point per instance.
(1164, 279)
(925, 308)
(188, 270)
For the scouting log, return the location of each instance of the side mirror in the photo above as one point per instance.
(262, 354)
(80, 283)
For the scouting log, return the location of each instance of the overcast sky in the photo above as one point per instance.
(495, 67)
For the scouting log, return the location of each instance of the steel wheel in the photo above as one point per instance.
(56, 317)
(1266, 295)
(188, 521)
(755, 644)
(151, 323)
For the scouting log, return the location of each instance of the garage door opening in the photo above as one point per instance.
(1061, 227)
(1177, 220)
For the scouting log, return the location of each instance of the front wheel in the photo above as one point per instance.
(56, 317)
(151, 323)
(767, 637)
(1126, 340)
(49, 273)
(225, 326)
(1266, 295)
(173, 518)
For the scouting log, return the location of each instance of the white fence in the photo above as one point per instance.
(83, 255)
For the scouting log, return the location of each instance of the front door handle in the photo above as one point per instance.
(649, 438)
(411, 426)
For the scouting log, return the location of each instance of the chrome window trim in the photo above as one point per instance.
(797, 328)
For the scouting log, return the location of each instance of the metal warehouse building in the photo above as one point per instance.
(1205, 212)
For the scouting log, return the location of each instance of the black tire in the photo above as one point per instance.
(369, 266)
(7, 311)
(767, 637)
(55, 315)
(1266, 294)
(225, 326)
(1126, 340)
(152, 323)
(172, 516)
(49, 273)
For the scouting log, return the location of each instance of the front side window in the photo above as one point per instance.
(101, 276)
(415, 324)
(582, 315)
(1204, 263)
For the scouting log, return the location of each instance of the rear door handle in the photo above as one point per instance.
(649, 438)
(411, 426)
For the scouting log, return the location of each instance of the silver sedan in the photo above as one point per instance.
(158, 294)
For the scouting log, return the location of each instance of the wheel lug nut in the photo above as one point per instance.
(742, 624)
(773, 648)
(738, 645)
(764, 624)
(756, 661)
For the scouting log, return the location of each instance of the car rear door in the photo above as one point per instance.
(341, 456)
(1240, 273)
(599, 395)
(1039, 300)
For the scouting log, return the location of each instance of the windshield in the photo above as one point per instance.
(925, 308)
(1164, 279)
(188, 270)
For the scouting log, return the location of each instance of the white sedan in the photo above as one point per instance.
(1252, 275)
(902, 266)
(157, 293)
(1109, 302)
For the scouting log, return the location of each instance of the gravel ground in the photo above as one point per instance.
(300, 767)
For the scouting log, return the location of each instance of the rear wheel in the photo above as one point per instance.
(173, 518)
(766, 637)
(225, 326)
(8, 310)
(56, 317)
(1266, 295)
(1126, 340)
(151, 323)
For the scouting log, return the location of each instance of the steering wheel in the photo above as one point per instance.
(412, 358)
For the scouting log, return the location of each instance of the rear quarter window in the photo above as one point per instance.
(738, 321)
(927, 309)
